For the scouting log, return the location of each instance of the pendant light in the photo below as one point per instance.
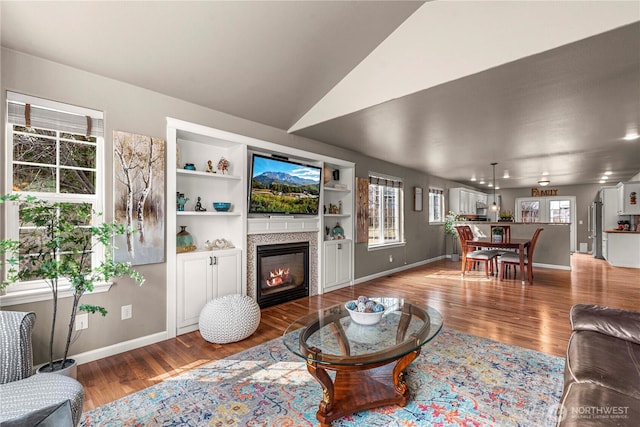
(494, 207)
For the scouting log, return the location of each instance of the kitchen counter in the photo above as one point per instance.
(623, 248)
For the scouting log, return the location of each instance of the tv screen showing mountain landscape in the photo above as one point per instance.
(283, 187)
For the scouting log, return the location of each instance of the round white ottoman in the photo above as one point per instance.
(229, 318)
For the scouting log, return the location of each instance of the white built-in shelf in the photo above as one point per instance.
(212, 213)
(282, 225)
(343, 190)
(206, 174)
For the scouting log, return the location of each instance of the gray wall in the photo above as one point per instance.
(584, 194)
(133, 109)
(552, 248)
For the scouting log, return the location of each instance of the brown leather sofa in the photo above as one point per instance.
(602, 369)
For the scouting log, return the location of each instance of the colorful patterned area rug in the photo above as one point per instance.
(458, 380)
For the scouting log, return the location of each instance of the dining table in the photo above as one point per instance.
(486, 242)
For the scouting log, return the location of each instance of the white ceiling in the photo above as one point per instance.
(444, 87)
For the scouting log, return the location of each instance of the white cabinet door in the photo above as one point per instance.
(194, 286)
(330, 272)
(226, 273)
(203, 276)
(343, 262)
(465, 203)
(454, 200)
(629, 198)
(337, 263)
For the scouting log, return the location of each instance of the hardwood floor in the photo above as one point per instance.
(534, 317)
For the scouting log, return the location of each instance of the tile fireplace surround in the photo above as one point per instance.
(255, 240)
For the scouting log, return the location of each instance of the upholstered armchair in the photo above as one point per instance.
(27, 399)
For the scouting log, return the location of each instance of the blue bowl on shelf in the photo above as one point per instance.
(221, 206)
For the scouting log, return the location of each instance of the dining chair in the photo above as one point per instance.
(487, 257)
(513, 259)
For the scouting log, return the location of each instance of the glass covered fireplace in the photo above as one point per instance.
(282, 273)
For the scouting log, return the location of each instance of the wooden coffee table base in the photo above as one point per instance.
(360, 387)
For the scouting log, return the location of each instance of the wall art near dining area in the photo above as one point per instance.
(138, 170)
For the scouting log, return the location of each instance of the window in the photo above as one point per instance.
(55, 153)
(559, 211)
(436, 205)
(385, 211)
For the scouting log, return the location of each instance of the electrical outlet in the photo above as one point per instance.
(126, 312)
(390, 258)
(82, 321)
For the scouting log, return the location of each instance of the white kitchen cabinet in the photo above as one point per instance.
(623, 249)
(464, 201)
(202, 276)
(337, 263)
(628, 198)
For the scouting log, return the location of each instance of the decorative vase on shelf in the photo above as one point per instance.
(184, 241)
(337, 232)
(180, 202)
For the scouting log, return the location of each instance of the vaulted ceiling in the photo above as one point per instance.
(543, 88)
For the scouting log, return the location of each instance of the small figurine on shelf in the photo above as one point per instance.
(223, 165)
(333, 209)
(337, 233)
(180, 202)
(340, 206)
(210, 167)
(199, 207)
(189, 166)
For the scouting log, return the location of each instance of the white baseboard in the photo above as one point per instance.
(552, 266)
(336, 287)
(397, 269)
(121, 347)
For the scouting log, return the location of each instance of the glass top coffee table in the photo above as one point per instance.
(369, 361)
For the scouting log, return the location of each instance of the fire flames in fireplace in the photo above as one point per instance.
(279, 276)
(282, 272)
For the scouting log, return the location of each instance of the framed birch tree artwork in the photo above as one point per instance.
(362, 210)
(139, 199)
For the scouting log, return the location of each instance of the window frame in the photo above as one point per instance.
(439, 192)
(38, 290)
(398, 208)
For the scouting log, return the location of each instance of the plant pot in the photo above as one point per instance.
(455, 257)
(497, 238)
(70, 368)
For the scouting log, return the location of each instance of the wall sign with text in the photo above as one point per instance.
(537, 192)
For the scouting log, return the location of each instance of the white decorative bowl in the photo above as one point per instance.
(363, 318)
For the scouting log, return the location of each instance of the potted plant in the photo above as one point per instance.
(449, 228)
(57, 247)
(497, 234)
(505, 216)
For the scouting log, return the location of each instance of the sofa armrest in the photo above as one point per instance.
(618, 323)
(16, 355)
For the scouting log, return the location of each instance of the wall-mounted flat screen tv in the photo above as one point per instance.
(281, 186)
